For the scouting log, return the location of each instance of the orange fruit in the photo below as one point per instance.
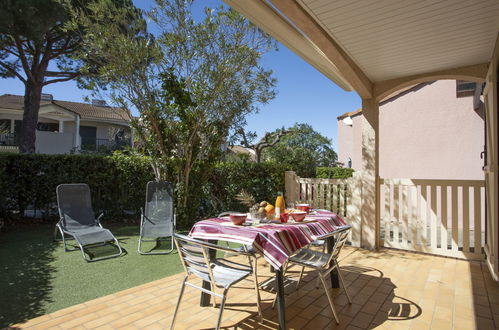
(269, 209)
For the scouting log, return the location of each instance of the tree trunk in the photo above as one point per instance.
(32, 96)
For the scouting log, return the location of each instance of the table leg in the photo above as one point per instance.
(205, 297)
(335, 283)
(281, 304)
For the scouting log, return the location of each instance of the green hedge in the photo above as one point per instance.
(334, 172)
(29, 181)
(118, 184)
(262, 180)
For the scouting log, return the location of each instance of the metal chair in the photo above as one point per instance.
(324, 262)
(158, 219)
(77, 219)
(221, 273)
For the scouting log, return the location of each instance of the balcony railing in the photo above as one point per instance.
(8, 139)
(104, 145)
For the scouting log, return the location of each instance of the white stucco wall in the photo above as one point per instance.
(424, 134)
(349, 141)
(53, 143)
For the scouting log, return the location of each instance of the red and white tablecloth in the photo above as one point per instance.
(276, 242)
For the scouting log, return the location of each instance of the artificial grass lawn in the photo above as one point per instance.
(37, 277)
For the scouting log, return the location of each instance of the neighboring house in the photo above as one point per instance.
(65, 126)
(440, 125)
(243, 150)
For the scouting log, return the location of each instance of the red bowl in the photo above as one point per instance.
(284, 217)
(238, 218)
(299, 216)
(303, 207)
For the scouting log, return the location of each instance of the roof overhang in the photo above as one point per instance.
(271, 21)
(378, 46)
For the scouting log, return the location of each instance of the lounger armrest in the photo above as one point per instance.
(98, 219)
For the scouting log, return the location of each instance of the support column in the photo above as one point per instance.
(61, 126)
(77, 139)
(132, 137)
(291, 187)
(370, 210)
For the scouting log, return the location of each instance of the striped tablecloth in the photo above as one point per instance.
(276, 242)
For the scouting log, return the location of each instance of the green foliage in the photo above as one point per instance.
(118, 184)
(262, 180)
(193, 84)
(302, 150)
(334, 172)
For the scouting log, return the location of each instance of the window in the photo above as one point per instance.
(4, 126)
(48, 127)
(465, 88)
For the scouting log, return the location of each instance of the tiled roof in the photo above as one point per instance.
(86, 111)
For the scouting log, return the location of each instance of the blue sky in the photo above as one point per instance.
(304, 94)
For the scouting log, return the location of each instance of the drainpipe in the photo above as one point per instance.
(132, 136)
(77, 139)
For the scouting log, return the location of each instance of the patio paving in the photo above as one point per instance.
(390, 290)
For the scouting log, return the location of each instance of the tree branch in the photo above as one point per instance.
(23, 59)
(14, 72)
(60, 74)
(60, 80)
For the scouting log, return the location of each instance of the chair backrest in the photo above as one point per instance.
(159, 203)
(340, 237)
(194, 256)
(75, 205)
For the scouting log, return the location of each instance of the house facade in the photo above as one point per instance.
(439, 123)
(65, 126)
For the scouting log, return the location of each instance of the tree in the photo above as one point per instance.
(37, 49)
(303, 150)
(192, 84)
(268, 140)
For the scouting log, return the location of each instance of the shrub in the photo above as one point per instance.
(334, 172)
(29, 181)
(262, 180)
(117, 183)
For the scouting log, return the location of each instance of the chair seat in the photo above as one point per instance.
(91, 235)
(310, 258)
(223, 274)
(157, 230)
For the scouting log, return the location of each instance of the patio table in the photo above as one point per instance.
(276, 242)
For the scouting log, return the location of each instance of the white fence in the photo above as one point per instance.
(444, 217)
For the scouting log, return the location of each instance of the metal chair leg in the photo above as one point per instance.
(255, 279)
(299, 278)
(178, 302)
(222, 305)
(342, 281)
(328, 294)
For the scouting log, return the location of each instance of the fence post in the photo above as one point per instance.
(354, 208)
(291, 186)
